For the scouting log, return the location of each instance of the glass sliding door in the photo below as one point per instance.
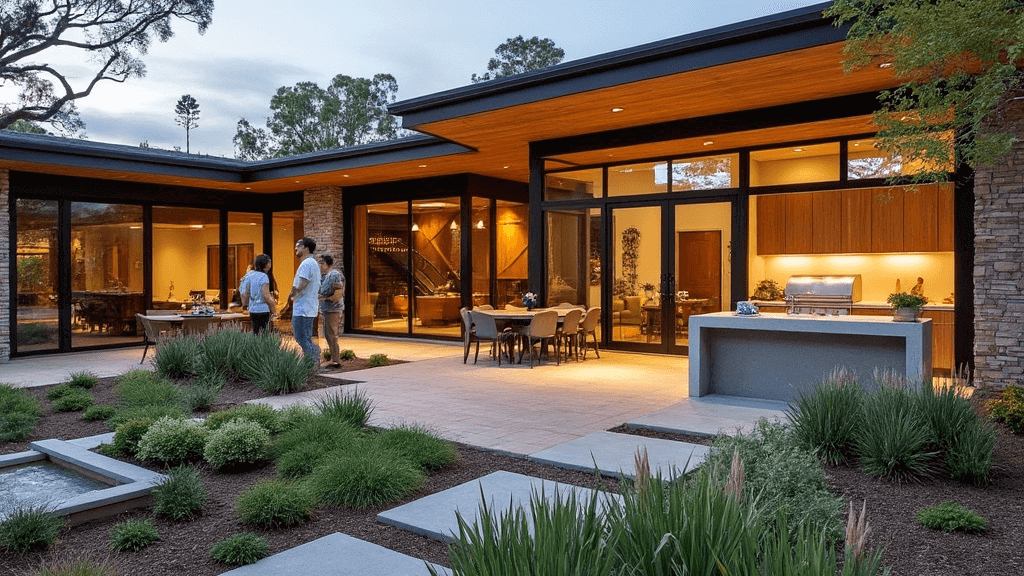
(36, 271)
(636, 274)
(511, 239)
(702, 264)
(245, 241)
(436, 259)
(107, 288)
(481, 251)
(381, 268)
(183, 269)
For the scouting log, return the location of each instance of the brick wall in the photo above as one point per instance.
(322, 221)
(998, 258)
(5, 267)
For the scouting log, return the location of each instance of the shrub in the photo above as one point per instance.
(221, 351)
(418, 445)
(171, 440)
(181, 495)
(128, 435)
(969, 455)
(240, 549)
(354, 408)
(300, 461)
(133, 535)
(325, 354)
(73, 401)
(152, 413)
(83, 379)
(262, 414)
(99, 412)
(237, 443)
(318, 429)
(177, 357)
(946, 413)
(290, 416)
(347, 355)
(949, 517)
(144, 388)
(203, 393)
(378, 360)
(1009, 408)
(29, 528)
(275, 504)
(19, 412)
(60, 391)
(825, 422)
(285, 372)
(77, 567)
(365, 478)
(895, 441)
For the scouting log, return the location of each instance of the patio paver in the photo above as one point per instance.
(615, 454)
(711, 415)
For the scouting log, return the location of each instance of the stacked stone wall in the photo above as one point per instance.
(5, 267)
(999, 260)
(322, 220)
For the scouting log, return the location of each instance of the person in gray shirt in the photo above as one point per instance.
(332, 304)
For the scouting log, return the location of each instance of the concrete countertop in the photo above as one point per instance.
(868, 325)
(864, 304)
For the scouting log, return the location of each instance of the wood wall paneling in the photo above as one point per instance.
(771, 224)
(856, 217)
(826, 222)
(887, 220)
(799, 227)
(942, 338)
(920, 218)
(945, 217)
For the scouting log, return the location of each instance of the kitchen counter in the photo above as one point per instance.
(780, 356)
(863, 304)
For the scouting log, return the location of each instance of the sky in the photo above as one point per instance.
(253, 47)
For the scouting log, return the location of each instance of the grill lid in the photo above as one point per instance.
(848, 286)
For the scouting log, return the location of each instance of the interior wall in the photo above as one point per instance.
(284, 262)
(794, 171)
(179, 255)
(704, 217)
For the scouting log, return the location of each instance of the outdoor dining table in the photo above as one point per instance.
(521, 316)
(189, 322)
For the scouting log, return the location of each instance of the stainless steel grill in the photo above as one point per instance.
(822, 295)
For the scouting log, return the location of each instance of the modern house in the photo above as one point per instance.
(657, 182)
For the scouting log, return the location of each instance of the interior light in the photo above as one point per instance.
(798, 149)
(196, 226)
(856, 144)
(885, 65)
(415, 227)
(252, 223)
(709, 143)
(344, 175)
(505, 167)
(454, 226)
(297, 181)
(617, 109)
(423, 165)
(480, 225)
(248, 187)
(135, 227)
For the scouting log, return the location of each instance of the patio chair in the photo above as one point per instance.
(483, 307)
(469, 335)
(152, 332)
(540, 329)
(486, 328)
(589, 326)
(568, 334)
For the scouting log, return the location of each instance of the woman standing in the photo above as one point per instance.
(256, 294)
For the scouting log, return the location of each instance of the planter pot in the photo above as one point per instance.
(906, 314)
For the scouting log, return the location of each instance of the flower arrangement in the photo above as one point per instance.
(767, 290)
(530, 300)
(903, 300)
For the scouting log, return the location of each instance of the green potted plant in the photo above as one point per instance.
(906, 307)
(648, 290)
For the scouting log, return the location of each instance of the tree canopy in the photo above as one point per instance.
(518, 55)
(112, 34)
(186, 115)
(956, 61)
(306, 118)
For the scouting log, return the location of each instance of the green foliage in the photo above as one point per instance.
(177, 357)
(240, 549)
(133, 535)
(969, 454)
(151, 413)
(83, 379)
(895, 441)
(74, 401)
(1009, 408)
(300, 461)
(77, 567)
(347, 355)
(186, 115)
(956, 61)
(237, 443)
(181, 496)
(825, 422)
(351, 407)
(272, 368)
(325, 354)
(365, 478)
(305, 446)
(29, 528)
(275, 504)
(900, 300)
(950, 517)
(99, 412)
(518, 55)
(171, 440)
(60, 391)
(419, 445)
(19, 412)
(203, 392)
(262, 414)
(291, 416)
(378, 360)
(222, 351)
(144, 388)
(37, 333)
(128, 435)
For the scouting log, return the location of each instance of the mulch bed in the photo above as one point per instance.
(910, 549)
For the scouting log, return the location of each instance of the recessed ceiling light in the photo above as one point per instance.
(297, 181)
(504, 166)
(798, 149)
(856, 144)
(344, 175)
(617, 109)
(196, 226)
(885, 65)
(709, 143)
(423, 165)
(610, 155)
(248, 187)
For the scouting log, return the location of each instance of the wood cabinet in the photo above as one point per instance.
(856, 224)
(799, 223)
(944, 200)
(771, 224)
(887, 220)
(826, 222)
(921, 218)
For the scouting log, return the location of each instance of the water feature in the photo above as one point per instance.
(42, 483)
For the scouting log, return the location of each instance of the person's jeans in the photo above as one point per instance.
(332, 322)
(302, 326)
(259, 320)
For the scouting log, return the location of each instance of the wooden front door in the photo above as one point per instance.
(700, 267)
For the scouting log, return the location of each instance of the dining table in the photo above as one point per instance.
(195, 322)
(522, 316)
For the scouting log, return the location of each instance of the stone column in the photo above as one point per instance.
(998, 254)
(322, 221)
(6, 267)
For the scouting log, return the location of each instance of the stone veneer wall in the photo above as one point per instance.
(5, 267)
(322, 221)
(998, 260)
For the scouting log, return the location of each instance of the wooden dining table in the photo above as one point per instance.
(193, 322)
(522, 316)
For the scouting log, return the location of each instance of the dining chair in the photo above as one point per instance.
(486, 328)
(152, 332)
(469, 335)
(483, 307)
(568, 334)
(541, 328)
(589, 326)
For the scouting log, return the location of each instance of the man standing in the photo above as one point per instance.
(304, 293)
(332, 304)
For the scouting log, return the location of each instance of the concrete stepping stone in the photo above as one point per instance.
(712, 415)
(337, 555)
(615, 454)
(433, 516)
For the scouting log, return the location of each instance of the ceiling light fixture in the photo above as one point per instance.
(454, 226)
(709, 143)
(415, 228)
(617, 109)
(423, 165)
(480, 225)
(344, 175)
(196, 226)
(248, 187)
(885, 65)
(798, 149)
(506, 167)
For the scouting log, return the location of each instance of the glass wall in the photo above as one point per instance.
(636, 268)
(795, 165)
(511, 242)
(245, 241)
(436, 266)
(574, 185)
(703, 268)
(106, 273)
(707, 173)
(481, 251)
(381, 267)
(183, 268)
(288, 228)
(38, 322)
(635, 179)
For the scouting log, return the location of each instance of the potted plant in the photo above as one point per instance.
(906, 307)
(648, 290)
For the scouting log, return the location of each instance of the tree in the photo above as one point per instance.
(307, 118)
(518, 55)
(956, 60)
(26, 127)
(187, 115)
(114, 35)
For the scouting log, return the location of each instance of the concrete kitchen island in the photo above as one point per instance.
(777, 356)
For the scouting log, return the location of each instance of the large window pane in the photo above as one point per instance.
(795, 165)
(106, 273)
(36, 271)
(482, 228)
(381, 267)
(636, 265)
(710, 172)
(702, 268)
(634, 179)
(574, 257)
(245, 241)
(288, 228)
(182, 266)
(436, 265)
(511, 240)
(574, 185)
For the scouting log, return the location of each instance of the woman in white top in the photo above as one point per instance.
(256, 294)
